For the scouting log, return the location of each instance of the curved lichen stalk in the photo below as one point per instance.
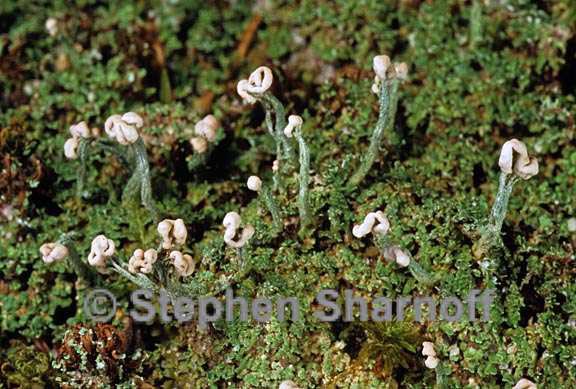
(390, 250)
(498, 213)
(83, 153)
(282, 142)
(304, 180)
(272, 207)
(257, 88)
(442, 374)
(490, 234)
(377, 224)
(388, 77)
(83, 156)
(421, 275)
(255, 184)
(109, 147)
(475, 24)
(294, 126)
(139, 279)
(142, 171)
(515, 164)
(80, 267)
(388, 101)
(123, 129)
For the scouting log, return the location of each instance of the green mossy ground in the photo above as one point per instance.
(474, 82)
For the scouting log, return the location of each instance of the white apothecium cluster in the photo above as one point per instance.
(232, 222)
(101, 250)
(142, 261)
(369, 225)
(377, 223)
(254, 183)
(259, 81)
(428, 351)
(294, 122)
(124, 129)
(386, 70)
(514, 159)
(205, 130)
(173, 232)
(52, 252)
(183, 263)
(78, 131)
